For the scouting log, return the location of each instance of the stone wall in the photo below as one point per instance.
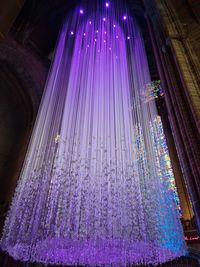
(179, 74)
(22, 79)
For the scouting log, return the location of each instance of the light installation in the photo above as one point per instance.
(162, 158)
(152, 90)
(96, 187)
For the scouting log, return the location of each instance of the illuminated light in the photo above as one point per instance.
(114, 26)
(95, 40)
(81, 11)
(104, 41)
(98, 195)
(163, 160)
(97, 31)
(90, 22)
(107, 4)
(124, 17)
(128, 37)
(104, 19)
(117, 37)
(84, 34)
(57, 139)
(152, 91)
(72, 33)
(105, 32)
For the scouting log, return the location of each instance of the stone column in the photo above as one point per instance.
(180, 81)
(177, 37)
(9, 9)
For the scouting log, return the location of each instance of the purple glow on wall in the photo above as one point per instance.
(90, 191)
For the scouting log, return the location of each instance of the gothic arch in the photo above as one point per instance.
(22, 79)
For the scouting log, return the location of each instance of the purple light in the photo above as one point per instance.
(90, 22)
(80, 199)
(107, 4)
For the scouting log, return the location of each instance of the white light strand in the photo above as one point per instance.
(91, 191)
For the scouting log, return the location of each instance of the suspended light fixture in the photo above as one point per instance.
(97, 187)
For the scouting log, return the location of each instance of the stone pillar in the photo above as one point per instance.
(9, 9)
(180, 80)
(177, 38)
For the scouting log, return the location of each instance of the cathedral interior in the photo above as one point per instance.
(171, 31)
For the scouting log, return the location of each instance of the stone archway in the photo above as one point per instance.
(22, 79)
(16, 114)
